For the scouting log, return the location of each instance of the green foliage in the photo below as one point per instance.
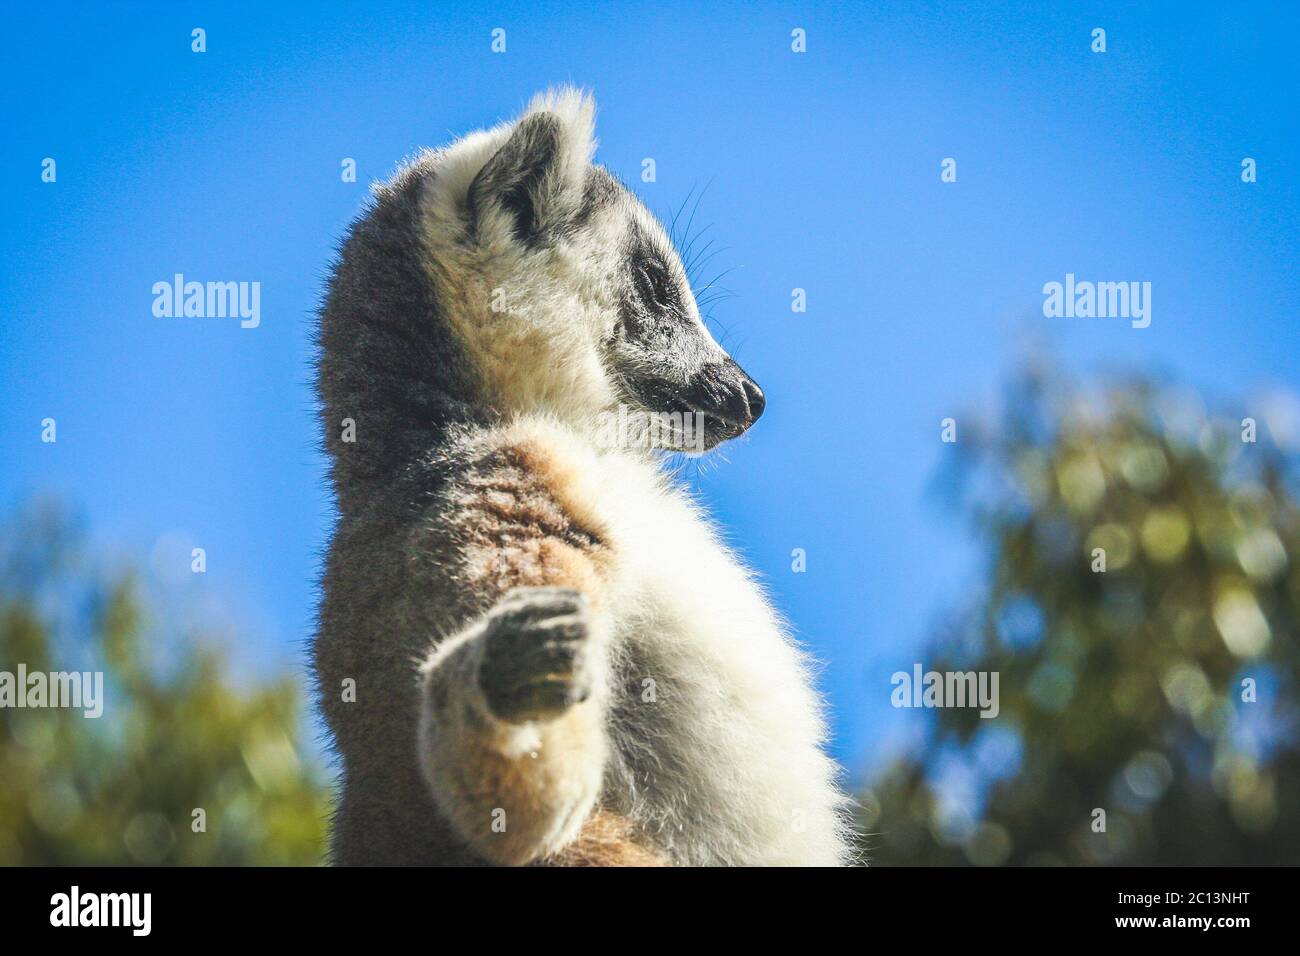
(177, 735)
(1121, 690)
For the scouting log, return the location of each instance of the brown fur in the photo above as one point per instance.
(515, 519)
(607, 839)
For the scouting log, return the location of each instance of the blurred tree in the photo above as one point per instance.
(176, 735)
(1161, 690)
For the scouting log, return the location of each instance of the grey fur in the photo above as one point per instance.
(389, 364)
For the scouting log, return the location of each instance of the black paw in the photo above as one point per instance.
(535, 662)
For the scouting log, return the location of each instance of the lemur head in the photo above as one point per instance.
(562, 287)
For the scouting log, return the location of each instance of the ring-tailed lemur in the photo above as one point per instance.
(533, 646)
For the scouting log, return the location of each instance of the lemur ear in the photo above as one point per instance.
(533, 185)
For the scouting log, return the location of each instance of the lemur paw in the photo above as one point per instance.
(536, 655)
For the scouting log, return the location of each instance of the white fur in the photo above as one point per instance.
(731, 684)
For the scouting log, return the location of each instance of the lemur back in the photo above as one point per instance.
(533, 647)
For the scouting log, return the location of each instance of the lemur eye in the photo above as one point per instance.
(658, 284)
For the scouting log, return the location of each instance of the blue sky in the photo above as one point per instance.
(823, 173)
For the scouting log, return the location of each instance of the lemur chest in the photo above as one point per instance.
(675, 581)
(687, 619)
(695, 630)
(708, 695)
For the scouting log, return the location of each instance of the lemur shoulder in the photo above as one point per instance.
(552, 656)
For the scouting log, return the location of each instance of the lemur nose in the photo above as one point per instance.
(756, 400)
(742, 400)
